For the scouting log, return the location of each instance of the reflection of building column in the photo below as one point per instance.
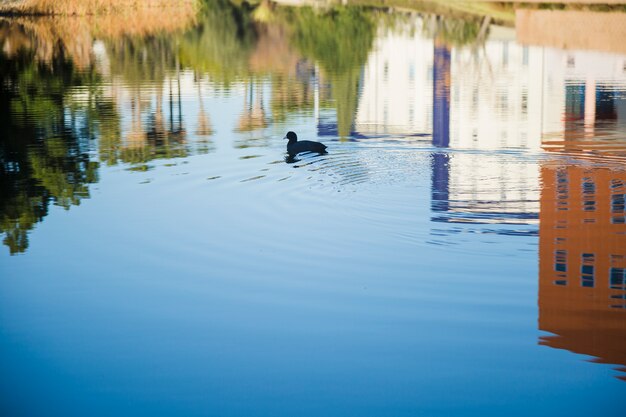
(441, 127)
(441, 94)
(440, 185)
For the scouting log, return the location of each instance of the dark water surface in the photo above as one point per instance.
(460, 250)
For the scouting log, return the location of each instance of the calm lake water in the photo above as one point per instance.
(460, 250)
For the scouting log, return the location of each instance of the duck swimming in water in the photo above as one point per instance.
(295, 147)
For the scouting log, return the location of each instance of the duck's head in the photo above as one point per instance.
(291, 136)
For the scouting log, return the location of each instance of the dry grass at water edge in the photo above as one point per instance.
(88, 7)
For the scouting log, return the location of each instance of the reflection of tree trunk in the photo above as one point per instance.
(204, 124)
(159, 119)
(136, 136)
(253, 116)
(345, 91)
(482, 34)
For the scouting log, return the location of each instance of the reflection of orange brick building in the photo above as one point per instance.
(582, 266)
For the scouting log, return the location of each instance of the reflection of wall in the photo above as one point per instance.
(562, 29)
(494, 101)
(584, 101)
(484, 190)
(582, 261)
(496, 94)
(396, 95)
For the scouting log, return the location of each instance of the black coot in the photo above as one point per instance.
(295, 147)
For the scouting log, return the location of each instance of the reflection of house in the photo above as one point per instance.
(585, 104)
(582, 261)
(481, 102)
(396, 96)
(483, 190)
(496, 94)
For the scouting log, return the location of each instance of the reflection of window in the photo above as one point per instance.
(618, 279)
(525, 56)
(561, 188)
(589, 191)
(587, 270)
(560, 261)
(618, 203)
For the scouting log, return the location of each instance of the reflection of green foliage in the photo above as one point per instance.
(110, 133)
(221, 43)
(345, 90)
(142, 59)
(457, 32)
(43, 149)
(340, 40)
(138, 156)
(289, 96)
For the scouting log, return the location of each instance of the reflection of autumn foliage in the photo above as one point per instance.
(73, 36)
(48, 38)
(92, 7)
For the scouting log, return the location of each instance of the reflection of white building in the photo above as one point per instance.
(584, 100)
(495, 103)
(502, 95)
(496, 94)
(396, 94)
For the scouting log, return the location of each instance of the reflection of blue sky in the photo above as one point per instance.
(222, 284)
(187, 295)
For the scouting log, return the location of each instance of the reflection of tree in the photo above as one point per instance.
(458, 32)
(289, 95)
(221, 43)
(339, 40)
(141, 59)
(43, 146)
(253, 115)
(146, 66)
(203, 126)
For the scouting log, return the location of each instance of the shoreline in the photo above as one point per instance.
(494, 8)
(41, 8)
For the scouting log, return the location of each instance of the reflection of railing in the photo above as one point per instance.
(461, 194)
